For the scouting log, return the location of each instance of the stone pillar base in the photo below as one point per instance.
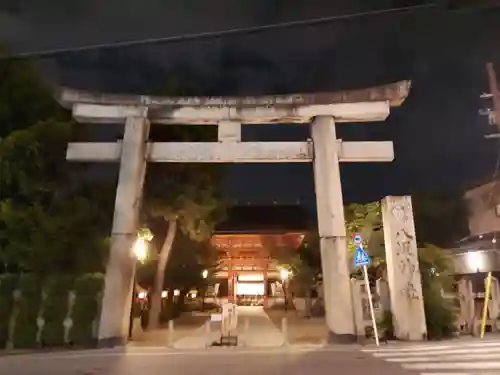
(343, 339)
(112, 342)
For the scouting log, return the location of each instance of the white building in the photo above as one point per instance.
(483, 205)
(480, 251)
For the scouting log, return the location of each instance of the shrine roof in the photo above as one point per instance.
(481, 242)
(264, 219)
(394, 93)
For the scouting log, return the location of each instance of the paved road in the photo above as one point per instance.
(159, 361)
(460, 357)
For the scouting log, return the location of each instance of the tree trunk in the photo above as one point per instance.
(155, 298)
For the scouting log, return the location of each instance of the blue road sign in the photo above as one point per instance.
(357, 239)
(361, 258)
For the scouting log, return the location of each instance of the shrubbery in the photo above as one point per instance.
(440, 314)
(26, 327)
(55, 308)
(45, 302)
(87, 289)
(435, 269)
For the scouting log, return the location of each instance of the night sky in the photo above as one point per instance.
(438, 133)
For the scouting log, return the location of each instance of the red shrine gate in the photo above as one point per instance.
(247, 264)
(246, 250)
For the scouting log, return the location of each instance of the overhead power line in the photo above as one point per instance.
(212, 34)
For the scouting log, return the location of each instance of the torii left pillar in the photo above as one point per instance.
(118, 287)
(332, 232)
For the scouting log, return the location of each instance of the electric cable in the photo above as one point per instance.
(212, 34)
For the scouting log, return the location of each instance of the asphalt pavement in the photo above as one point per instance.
(227, 361)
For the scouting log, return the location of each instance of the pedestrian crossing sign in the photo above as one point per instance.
(361, 258)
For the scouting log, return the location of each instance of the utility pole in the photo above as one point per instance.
(494, 94)
(493, 85)
(495, 116)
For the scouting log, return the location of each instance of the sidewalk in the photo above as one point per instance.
(261, 331)
(186, 325)
(255, 329)
(301, 330)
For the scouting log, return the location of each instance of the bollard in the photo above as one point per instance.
(170, 333)
(245, 332)
(208, 333)
(284, 330)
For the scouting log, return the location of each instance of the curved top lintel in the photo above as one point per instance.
(394, 93)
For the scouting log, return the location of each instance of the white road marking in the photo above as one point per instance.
(435, 352)
(454, 366)
(446, 358)
(426, 347)
(457, 358)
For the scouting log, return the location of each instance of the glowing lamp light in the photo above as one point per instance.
(204, 274)
(475, 260)
(140, 249)
(164, 294)
(284, 274)
(142, 295)
(177, 292)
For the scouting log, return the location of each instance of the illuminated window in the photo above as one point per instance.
(251, 277)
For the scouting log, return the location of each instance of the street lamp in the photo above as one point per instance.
(204, 275)
(140, 249)
(284, 273)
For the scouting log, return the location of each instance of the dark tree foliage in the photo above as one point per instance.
(51, 220)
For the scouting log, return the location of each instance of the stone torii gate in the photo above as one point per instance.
(321, 111)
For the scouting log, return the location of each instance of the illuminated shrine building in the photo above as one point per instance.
(246, 242)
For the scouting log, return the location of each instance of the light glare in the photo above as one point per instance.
(475, 260)
(140, 249)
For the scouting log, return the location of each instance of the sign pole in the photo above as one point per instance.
(362, 260)
(370, 302)
(487, 293)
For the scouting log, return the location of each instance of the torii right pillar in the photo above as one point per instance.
(403, 272)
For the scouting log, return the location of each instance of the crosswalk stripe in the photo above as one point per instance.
(459, 358)
(437, 352)
(446, 358)
(433, 346)
(454, 366)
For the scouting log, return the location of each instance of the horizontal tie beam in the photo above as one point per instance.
(237, 152)
(196, 115)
